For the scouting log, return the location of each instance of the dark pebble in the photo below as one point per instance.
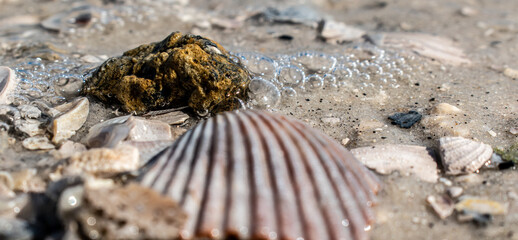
(505, 165)
(405, 120)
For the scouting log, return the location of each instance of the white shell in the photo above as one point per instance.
(258, 175)
(460, 155)
(37, 143)
(73, 117)
(433, 47)
(8, 82)
(406, 159)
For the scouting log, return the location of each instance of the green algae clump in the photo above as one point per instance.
(181, 70)
(511, 154)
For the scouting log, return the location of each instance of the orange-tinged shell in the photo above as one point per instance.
(258, 175)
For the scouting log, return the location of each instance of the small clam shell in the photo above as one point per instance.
(8, 82)
(258, 175)
(460, 155)
(73, 116)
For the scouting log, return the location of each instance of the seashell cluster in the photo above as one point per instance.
(258, 175)
(460, 155)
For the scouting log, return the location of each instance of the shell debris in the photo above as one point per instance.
(407, 159)
(73, 116)
(267, 174)
(460, 155)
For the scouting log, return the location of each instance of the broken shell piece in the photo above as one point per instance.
(407, 159)
(127, 212)
(101, 161)
(482, 206)
(442, 205)
(510, 72)
(73, 116)
(29, 126)
(433, 47)
(460, 155)
(445, 108)
(67, 149)
(171, 118)
(29, 111)
(27, 181)
(445, 120)
(148, 130)
(148, 149)
(37, 143)
(8, 82)
(108, 136)
(338, 32)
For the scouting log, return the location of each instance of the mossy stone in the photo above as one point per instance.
(181, 70)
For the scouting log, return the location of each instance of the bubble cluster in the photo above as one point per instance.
(52, 82)
(285, 76)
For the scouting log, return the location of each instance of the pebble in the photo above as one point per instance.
(468, 11)
(37, 143)
(454, 192)
(445, 181)
(73, 116)
(407, 159)
(513, 130)
(345, 141)
(442, 205)
(405, 120)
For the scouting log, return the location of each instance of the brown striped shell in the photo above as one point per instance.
(258, 175)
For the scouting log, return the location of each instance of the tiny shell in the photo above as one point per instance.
(258, 175)
(8, 82)
(460, 155)
(338, 32)
(37, 143)
(406, 159)
(442, 205)
(73, 117)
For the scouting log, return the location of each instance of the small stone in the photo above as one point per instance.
(510, 72)
(454, 192)
(442, 205)
(492, 133)
(73, 116)
(482, 206)
(67, 149)
(182, 70)
(445, 181)
(345, 141)
(330, 120)
(37, 143)
(513, 130)
(405, 120)
(29, 111)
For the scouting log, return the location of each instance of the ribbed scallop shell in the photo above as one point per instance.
(258, 175)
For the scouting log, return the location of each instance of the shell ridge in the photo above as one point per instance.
(331, 173)
(286, 195)
(170, 162)
(240, 188)
(309, 166)
(262, 203)
(192, 196)
(212, 210)
(207, 183)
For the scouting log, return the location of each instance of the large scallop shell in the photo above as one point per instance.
(258, 175)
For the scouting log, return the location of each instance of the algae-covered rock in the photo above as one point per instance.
(178, 71)
(511, 154)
